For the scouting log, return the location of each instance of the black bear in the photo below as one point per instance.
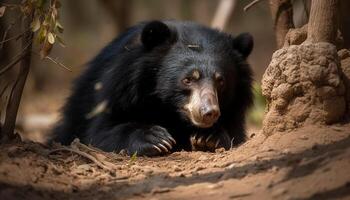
(162, 86)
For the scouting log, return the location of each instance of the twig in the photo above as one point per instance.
(17, 58)
(8, 29)
(85, 155)
(11, 5)
(251, 4)
(11, 38)
(4, 89)
(77, 143)
(57, 62)
(96, 153)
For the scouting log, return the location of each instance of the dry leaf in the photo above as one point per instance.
(35, 24)
(51, 38)
(2, 10)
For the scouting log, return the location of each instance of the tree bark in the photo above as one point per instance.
(323, 22)
(17, 90)
(282, 16)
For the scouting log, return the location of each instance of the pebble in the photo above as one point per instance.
(104, 189)
(215, 186)
(274, 169)
(203, 157)
(199, 168)
(303, 137)
(231, 166)
(286, 151)
(160, 190)
(176, 168)
(220, 150)
(148, 171)
(279, 191)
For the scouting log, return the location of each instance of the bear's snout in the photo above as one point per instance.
(203, 108)
(209, 110)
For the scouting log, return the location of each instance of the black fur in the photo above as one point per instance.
(140, 76)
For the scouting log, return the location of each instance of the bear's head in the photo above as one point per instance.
(203, 73)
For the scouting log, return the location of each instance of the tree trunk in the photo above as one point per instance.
(223, 13)
(282, 16)
(17, 90)
(323, 23)
(119, 11)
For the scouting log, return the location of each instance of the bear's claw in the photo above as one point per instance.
(153, 141)
(209, 142)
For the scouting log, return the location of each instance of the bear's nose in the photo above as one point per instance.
(210, 114)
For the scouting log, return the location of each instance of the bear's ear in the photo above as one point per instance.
(243, 43)
(155, 33)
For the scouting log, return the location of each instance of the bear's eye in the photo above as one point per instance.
(187, 81)
(219, 79)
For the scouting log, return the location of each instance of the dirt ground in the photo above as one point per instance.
(308, 163)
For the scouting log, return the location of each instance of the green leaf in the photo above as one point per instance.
(133, 157)
(51, 38)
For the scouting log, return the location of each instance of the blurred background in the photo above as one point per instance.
(90, 25)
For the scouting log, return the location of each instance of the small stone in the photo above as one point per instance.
(303, 137)
(203, 157)
(314, 147)
(215, 186)
(104, 189)
(231, 166)
(198, 168)
(220, 150)
(181, 174)
(286, 151)
(176, 168)
(194, 173)
(270, 184)
(279, 192)
(160, 190)
(148, 171)
(274, 169)
(256, 158)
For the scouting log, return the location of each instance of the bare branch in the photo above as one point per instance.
(17, 58)
(7, 30)
(85, 155)
(16, 37)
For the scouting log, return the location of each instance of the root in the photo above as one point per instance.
(89, 153)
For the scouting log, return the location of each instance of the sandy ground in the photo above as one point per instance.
(308, 163)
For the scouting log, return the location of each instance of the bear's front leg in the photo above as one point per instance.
(210, 139)
(145, 140)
